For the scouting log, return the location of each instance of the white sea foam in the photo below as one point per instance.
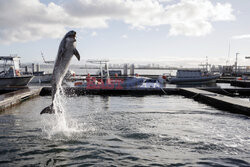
(60, 124)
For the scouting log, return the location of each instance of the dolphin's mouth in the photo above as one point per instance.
(72, 36)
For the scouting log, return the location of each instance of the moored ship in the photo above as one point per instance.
(192, 77)
(11, 75)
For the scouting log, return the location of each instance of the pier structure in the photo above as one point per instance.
(241, 83)
(219, 101)
(15, 97)
(215, 97)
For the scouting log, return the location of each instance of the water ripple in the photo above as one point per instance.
(125, 131)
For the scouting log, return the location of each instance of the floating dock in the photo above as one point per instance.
(46, 91)
(225, 79)
(217, 100)
(105, 92)
(216, 97)
(241, 83)
(15, 97)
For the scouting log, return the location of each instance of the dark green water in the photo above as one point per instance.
(124, 131)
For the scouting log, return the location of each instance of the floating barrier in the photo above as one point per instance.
(216, 97)
(10, 99)
(222, 102)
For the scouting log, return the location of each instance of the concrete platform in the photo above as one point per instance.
(224, 80)
(46, 91)
(219, 101)
(15, 97)
(8, 89)
(241, 83)
(132, 91)
(209, 96)
(232, 92)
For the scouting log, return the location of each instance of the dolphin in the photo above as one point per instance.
(67, 49)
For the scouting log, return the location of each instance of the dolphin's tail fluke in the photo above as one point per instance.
(48, 110)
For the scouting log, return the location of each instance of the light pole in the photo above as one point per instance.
(236, 63)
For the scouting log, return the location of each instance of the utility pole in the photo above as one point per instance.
(236, 63)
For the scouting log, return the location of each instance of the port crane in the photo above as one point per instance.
(100, 62)
(47, 62)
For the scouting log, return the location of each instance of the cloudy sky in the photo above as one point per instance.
(169, 32)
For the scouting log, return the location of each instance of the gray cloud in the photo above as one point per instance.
(25, 20)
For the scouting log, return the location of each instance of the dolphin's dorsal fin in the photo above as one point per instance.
(76, 53)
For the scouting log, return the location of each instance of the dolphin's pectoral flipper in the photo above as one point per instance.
(48, 110)
(76, 53)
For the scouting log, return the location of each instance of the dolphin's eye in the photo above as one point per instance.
(72, 35)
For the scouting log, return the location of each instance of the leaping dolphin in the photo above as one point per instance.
(66, 50)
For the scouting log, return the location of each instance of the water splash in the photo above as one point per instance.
(60, 125)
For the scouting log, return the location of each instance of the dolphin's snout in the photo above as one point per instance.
(71, 34)
(74, 37)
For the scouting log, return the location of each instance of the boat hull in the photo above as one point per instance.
(122, 83)
(46, 78)
(15, 81)
(198, 80)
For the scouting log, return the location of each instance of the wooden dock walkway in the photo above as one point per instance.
(217, 100)
(13, 98)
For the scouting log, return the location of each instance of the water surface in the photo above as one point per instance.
(124, 131)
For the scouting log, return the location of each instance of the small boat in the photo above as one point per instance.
(44, 77)
(192, 77)
(11, 75)
(163, 78)
(110, 83)
(109, 79)
(151, 83)
(14, 81)
(41, 77)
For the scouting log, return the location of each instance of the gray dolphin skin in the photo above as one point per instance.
(65, 52)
